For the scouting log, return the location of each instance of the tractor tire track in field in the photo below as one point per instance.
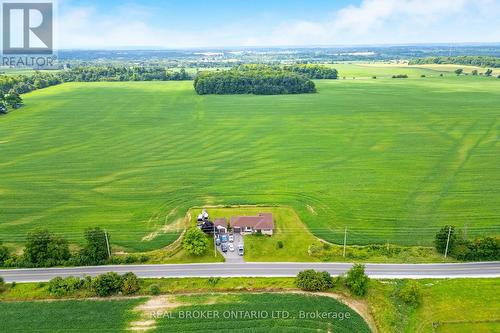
(424, 201)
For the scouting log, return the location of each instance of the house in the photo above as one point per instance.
(263, 223)
(221, 225)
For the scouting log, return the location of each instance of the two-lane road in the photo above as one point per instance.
(380, 271)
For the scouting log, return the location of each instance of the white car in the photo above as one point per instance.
(231, 247)
(231, 238)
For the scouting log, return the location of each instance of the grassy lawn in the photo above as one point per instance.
(392, 159)
(475, 302)
(67, 316)
(267, 306)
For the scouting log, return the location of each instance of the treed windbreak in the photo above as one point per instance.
(259, 81)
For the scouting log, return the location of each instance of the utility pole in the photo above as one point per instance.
(215, 243)
(447, 242)
(107, 243)
(345, 240)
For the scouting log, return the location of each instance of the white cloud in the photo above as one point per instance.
(371, 22)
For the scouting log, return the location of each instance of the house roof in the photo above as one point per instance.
(261, 221)
(221, 222)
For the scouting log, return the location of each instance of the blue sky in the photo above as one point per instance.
(216, 23)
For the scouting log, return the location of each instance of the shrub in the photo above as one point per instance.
(374, 77)
(279, 244)
(423, 75)
(195, 241)
(459, 71)
(3, 287)
(411, 293)
(45, 249)
(154, 289)
(356, 280)
(130, 284)
(311, 280)
(213, 281)
(67, 286)
(106, 284)
(4, 254)
(400, 76)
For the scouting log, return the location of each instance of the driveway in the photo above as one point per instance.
(233, 257)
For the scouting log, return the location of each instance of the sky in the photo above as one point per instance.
(83, 24)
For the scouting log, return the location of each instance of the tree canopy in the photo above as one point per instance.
(266, 81)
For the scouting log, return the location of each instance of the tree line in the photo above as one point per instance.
(44, 249)
(453, 241)
(21, 84)
(258, 81)
(480, 61)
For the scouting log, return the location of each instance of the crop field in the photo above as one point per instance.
(67, 316)
(391, 159)
(234, 310)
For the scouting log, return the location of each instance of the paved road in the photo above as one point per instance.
(462, 270)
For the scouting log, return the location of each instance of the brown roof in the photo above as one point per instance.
(261, 221)
(222, 222)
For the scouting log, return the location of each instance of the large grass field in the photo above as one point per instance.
(391, 159)
(67, 316)
(262, 313)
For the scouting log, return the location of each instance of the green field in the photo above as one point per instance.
(391, 159)
(268, 311)
(67, 316)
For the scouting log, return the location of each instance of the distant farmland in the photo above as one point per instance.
(393, 160)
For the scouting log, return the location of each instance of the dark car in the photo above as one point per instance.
(224, 247)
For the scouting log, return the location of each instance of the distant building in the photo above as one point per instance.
(263, 223)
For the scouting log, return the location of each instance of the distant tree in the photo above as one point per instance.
(474, 72)
(45, 249)
(411, 293)
(441, 239)
(488, 72)
(195, 241)
(459, 71)
(96, 250)
(356, 280)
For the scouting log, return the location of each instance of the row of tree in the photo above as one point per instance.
(255, 81)
(480, 61)
(44, 249)
(452, 241)
(21, 84)
(311, 71)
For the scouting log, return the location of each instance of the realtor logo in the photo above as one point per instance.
(27, 28)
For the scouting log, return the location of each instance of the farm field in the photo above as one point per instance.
(391, 159)
(67, 316)
(265, 305)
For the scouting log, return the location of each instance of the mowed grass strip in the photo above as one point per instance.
(393, 160)
(67, 316)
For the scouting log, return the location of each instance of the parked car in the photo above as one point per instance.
(231, 246)
(223, 247)
(217, 241)
(223, 238)
(231, 238)
(241, 251)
